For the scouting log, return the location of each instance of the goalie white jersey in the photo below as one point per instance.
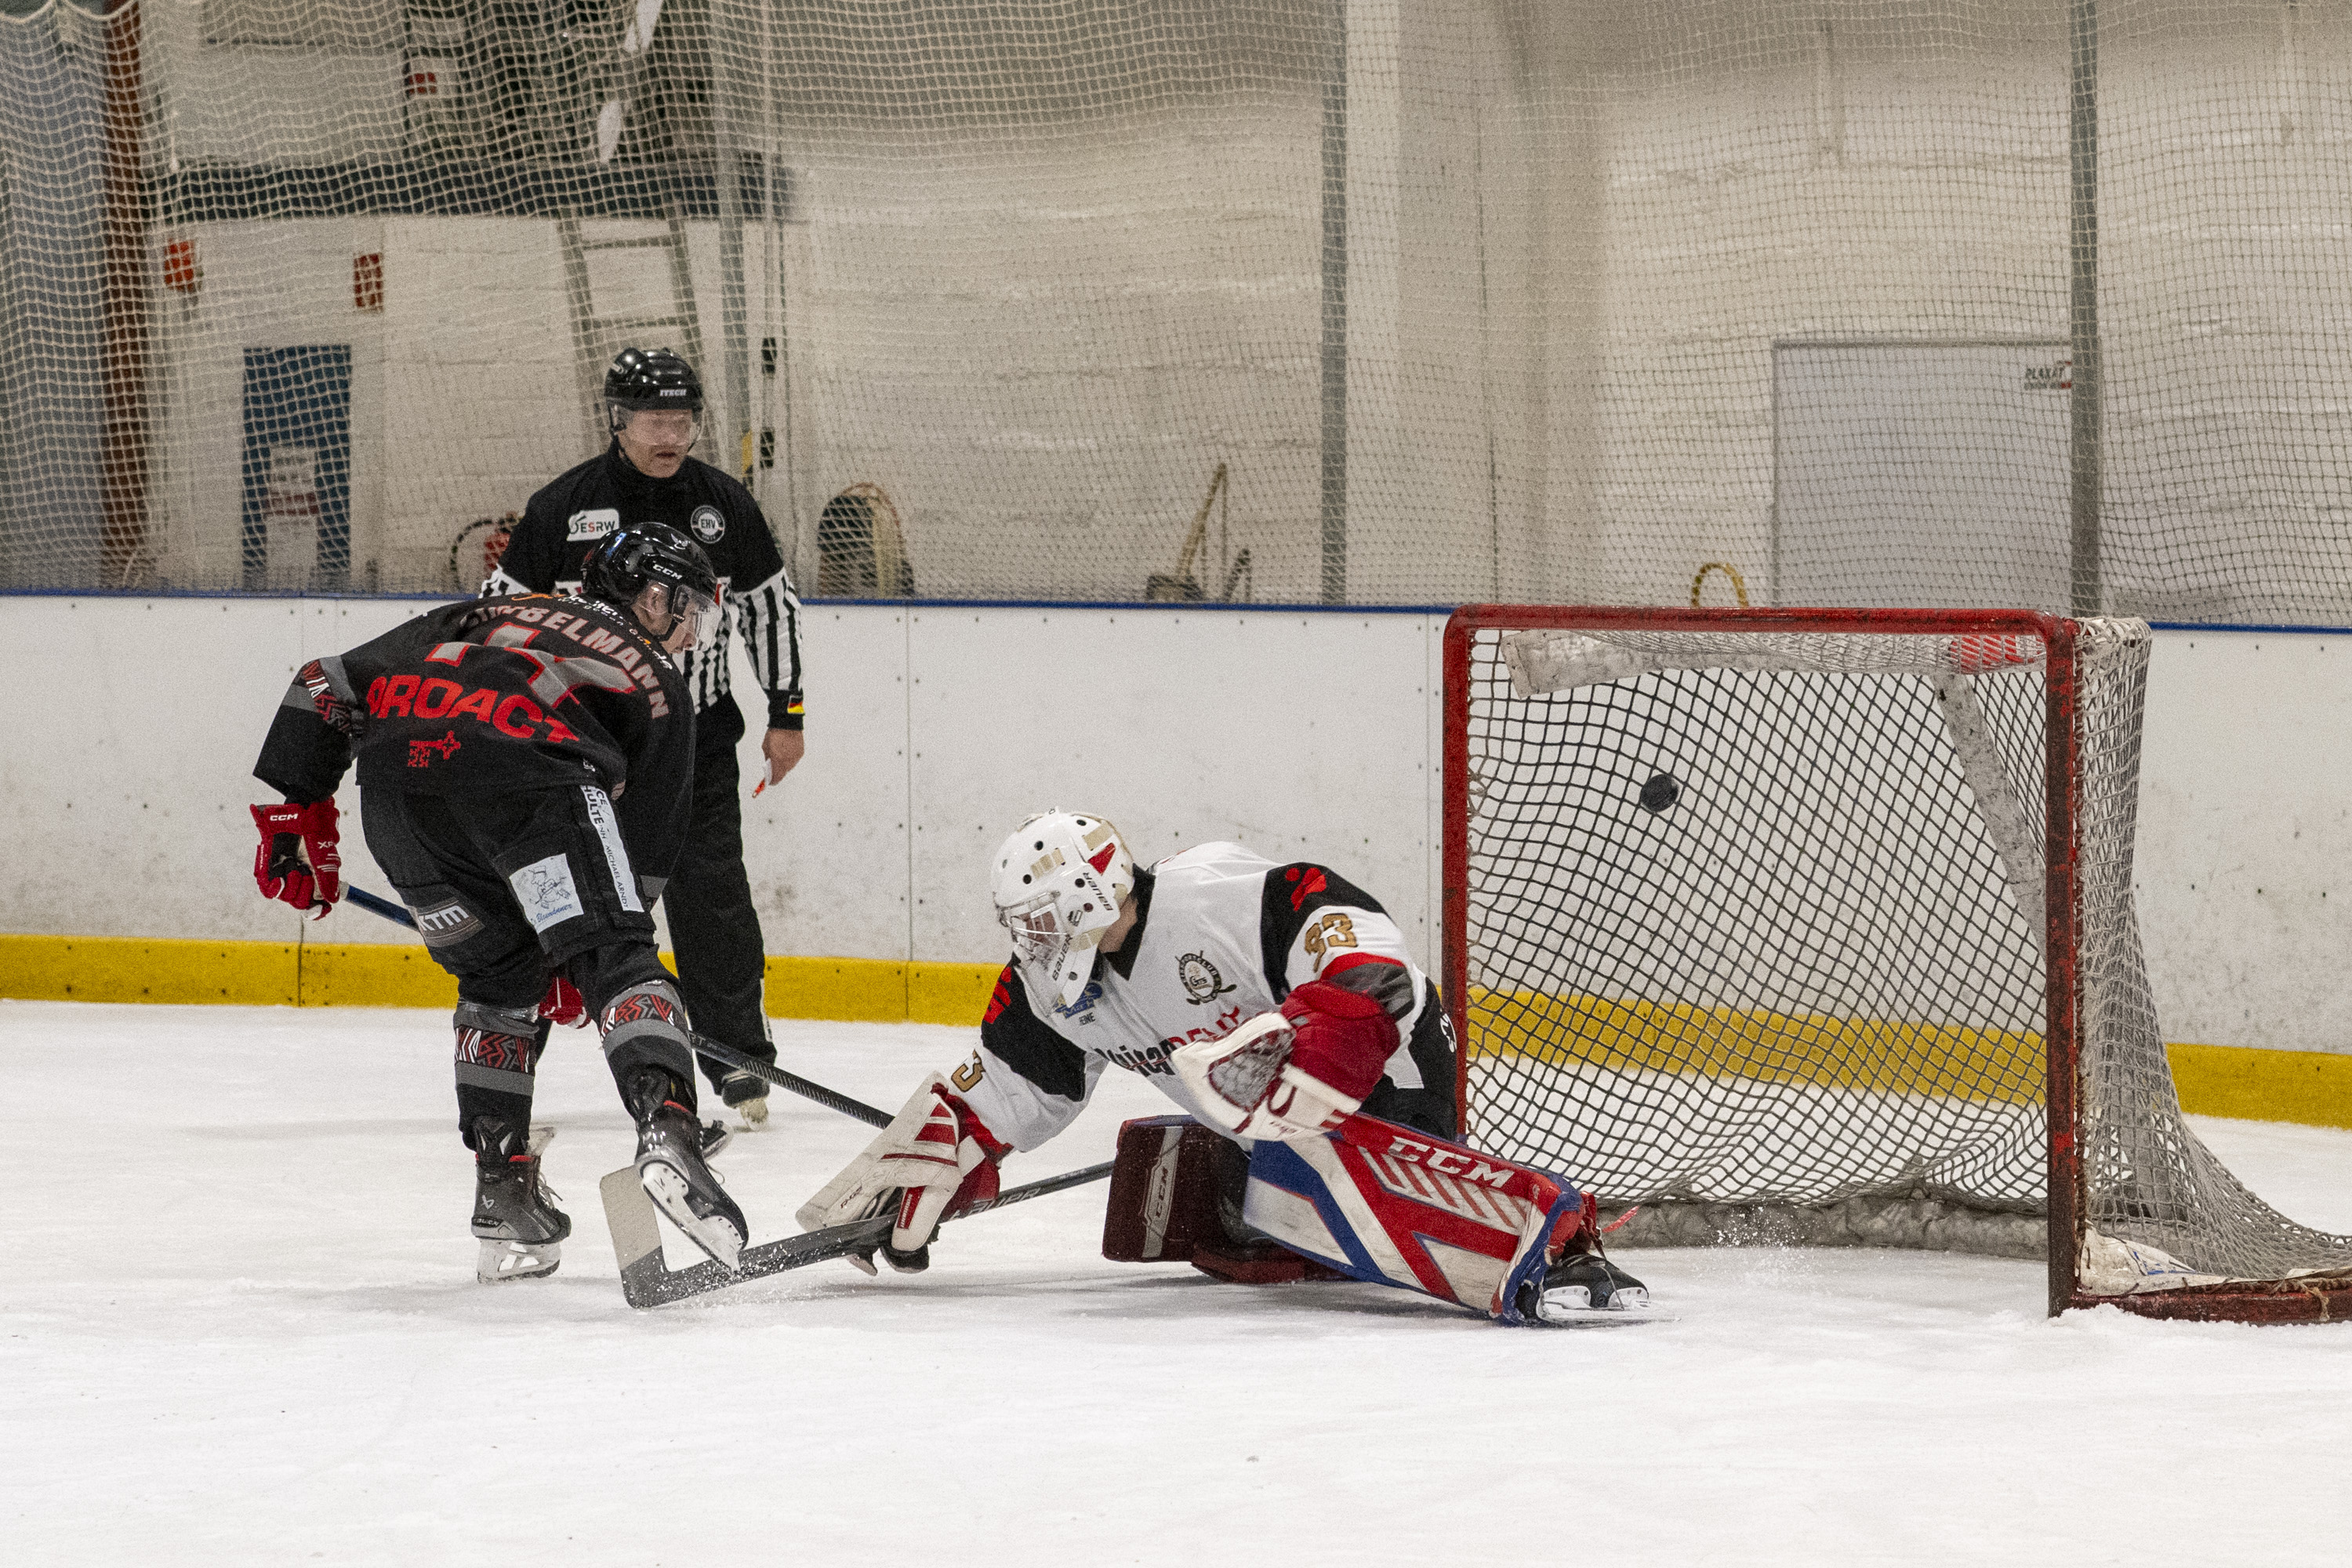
(1222, 935)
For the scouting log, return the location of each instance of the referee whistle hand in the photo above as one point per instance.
(782, 750)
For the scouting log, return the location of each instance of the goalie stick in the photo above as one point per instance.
(647, 1281)
(832, 1100)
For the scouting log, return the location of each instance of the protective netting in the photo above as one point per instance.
(1753, 936)
(1932, 302)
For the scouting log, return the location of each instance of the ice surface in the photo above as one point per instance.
(241, 1326)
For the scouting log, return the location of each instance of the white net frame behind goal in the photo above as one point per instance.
(1745, 921)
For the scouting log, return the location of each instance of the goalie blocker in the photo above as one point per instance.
(1371, 1201)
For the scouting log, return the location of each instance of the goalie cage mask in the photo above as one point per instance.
(1058, 885)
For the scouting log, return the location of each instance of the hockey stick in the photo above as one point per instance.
(647, 1281)
(379, 906)
(832, 1100)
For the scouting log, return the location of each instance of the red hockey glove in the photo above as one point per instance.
(1344, 1037)
(562, 1004)
(298, 862)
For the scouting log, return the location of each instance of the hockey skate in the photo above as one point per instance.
(672, 1169)
(1580, 1286)
(521, 1229)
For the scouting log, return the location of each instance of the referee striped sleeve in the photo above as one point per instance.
(771, 634)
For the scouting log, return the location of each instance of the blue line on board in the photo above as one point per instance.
(1217, 605)
(1159, 605)
(2232, 626)
(451, 596)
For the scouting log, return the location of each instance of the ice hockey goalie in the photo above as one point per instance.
(1276, 1005)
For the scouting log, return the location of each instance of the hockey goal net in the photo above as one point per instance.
(1816, 927)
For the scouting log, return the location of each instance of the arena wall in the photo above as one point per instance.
(933, 728)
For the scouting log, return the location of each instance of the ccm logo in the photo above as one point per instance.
(1451, 1162)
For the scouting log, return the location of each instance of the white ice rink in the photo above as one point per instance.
(242, 1327)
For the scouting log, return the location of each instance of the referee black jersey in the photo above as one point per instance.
(567, 518)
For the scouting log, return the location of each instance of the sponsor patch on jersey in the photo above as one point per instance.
(446, 925)
(593, 523)
(1199, 979)
(708, 524)
(547, 893)
(1085, 1003)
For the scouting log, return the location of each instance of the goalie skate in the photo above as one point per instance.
(1585, 1287)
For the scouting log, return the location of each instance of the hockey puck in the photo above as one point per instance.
(1660, 792)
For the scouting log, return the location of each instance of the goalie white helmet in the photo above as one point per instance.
(1058, 882)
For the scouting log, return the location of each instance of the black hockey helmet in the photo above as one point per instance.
(643, 554)
(650, 378)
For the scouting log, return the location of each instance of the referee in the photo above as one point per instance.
(655, 403)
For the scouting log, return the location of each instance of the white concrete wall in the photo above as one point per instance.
(465, 385)
(1040, 320)
(933, 731)
(1721, 173)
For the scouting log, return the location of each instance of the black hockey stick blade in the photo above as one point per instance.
(647, 1281)
(832, 1100)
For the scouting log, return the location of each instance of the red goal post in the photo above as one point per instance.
(1816, 926)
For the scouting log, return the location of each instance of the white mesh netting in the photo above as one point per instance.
(1943, 302)
(1754, 938)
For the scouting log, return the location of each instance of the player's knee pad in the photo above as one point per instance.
(497, 1059)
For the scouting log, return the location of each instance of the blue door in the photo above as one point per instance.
(298, 467)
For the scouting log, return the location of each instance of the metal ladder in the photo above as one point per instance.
(595, 338)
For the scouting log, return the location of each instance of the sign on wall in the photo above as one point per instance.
(296, 529)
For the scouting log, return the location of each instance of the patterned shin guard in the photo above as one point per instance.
(645, 1026)
(498, 1054)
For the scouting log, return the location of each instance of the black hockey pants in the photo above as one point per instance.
(508, 891)
(1430, 1108)
(722, 957)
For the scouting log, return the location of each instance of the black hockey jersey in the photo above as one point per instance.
(495, 696)
(566, 519)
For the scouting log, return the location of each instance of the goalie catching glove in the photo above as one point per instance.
(1297, 1073)
(299, 862)
(935, 1161)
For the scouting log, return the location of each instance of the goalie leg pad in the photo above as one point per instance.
(1381, 1203)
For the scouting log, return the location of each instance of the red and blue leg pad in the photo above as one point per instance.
(1385, 1204)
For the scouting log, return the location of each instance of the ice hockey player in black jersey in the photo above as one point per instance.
(648, 474)
(1278, 1006)
(525, 765)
